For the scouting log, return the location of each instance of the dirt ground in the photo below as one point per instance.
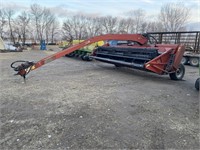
(73, 104)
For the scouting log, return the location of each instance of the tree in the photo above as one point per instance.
(36, 14)
(22, 26)
(174, 16)
(93, 27)
(139, 21)
(125, 25)
(47, 20)
(2, 22)
(154, 26)
(43, 20)
(53, 28)
(9, 13)
(75, 27)
(109, 24)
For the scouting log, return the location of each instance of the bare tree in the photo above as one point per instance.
(53, 28)
(22, 26)
(9, 13)
(2, 22)
(109, 24)
(144, 27)
(36, 14)
(42, 18)
(74, 27)
(93, 27)
(67, 30)
(154, 26)
(125, 25)
(174, 16)
(48, 20)
(138, 16)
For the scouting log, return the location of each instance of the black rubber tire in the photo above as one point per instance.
(194, 61)
(76, 55)
(197, 84)
(69, 55)
(184, 60)
(117, 66)
(179, 74)
(83, 57)
(87, 58)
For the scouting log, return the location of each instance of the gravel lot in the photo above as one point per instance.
(74, 104)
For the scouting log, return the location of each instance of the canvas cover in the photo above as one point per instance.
(2, 46)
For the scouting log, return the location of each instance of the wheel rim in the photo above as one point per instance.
(179, 73)
(194, 61)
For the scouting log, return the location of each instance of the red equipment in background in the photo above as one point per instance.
(157, 58)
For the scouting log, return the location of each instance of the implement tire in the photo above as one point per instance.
(194, 61)
(117, 65)
(178, 74)
(197, 84)
(184, 60)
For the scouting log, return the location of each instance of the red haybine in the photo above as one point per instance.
(138, 51)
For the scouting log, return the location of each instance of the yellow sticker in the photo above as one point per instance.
(147, 65)
(33, 67)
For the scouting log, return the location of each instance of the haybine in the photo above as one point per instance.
(138, 51)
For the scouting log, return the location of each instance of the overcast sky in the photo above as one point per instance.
(102, 7)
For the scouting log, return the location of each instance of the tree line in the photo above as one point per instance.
(39, 23)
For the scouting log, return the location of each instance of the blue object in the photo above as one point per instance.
(42, 45)
(113, 43)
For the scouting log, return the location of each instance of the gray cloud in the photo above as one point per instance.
(14, 6)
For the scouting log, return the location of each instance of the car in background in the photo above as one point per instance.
(10, 47)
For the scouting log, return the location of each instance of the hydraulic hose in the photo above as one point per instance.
(23, 69)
